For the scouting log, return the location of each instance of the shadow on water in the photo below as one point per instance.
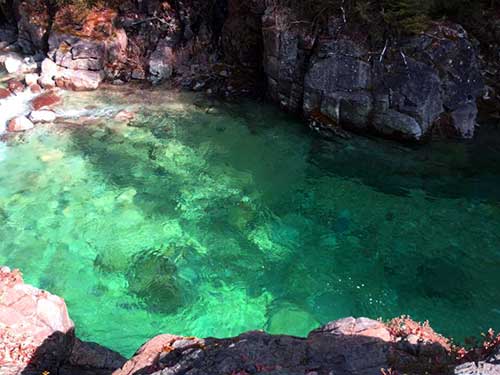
(326, 246)
(442, 169)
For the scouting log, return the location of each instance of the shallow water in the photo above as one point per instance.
(213, 220)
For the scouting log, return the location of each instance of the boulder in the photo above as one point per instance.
(161, 62)
(15, 86)
(49, 68)
(36, 333)
(90, 355)
(31, 79)
(4, 93)
(348, 347)
(42, 116)
(35, 89)
(19, 124)
(47, 82)
(45, 101)
(13, 64)
(78, 80)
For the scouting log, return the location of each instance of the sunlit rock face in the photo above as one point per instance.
(35, 329)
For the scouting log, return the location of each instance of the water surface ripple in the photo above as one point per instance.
(211, 220)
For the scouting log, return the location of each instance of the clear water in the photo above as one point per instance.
(211, 221)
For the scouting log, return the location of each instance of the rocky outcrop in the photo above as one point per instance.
(33, 25)
(36, 332)
(37, 336)
(344, 347)
(80, 60)
(335, 74)
(400, 90)
(489, 366)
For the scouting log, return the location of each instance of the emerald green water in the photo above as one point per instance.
(211, 221)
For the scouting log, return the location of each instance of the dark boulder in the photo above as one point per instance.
(401, 90)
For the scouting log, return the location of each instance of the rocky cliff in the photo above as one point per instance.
(336, 75)
(38, 337)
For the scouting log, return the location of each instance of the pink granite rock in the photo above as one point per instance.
(19, 124)
(36, 332)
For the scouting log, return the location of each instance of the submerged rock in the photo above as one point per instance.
(152, 277)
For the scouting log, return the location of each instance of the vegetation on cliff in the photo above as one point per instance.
(402, 16)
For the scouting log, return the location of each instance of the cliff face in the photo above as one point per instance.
(334, 75)
(402, 89)
(37, 336)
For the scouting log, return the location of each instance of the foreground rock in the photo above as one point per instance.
(37, 335)
(344, 347)
(490, 366)
(36, 332)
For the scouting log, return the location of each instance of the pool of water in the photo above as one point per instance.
(213, 219)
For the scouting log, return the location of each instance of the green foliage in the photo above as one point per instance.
(401, 16)
(407, 16)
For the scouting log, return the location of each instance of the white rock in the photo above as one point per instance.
(13, 64)
(49, 68)
(31, 79)
(42, 116)
(19, 124)
(47, 82)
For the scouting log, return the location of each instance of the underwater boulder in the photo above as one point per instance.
(290, 319)
(152, 277)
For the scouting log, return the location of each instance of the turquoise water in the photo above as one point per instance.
(211, 220)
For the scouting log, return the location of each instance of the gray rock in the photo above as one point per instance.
(397, 124)
(464, 119)
(33, 25)
(399, 93)
(90, 355)
(490, 366)
(161, 62)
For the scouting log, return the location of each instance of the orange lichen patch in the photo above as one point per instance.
(404, 326)
(316, 115)
(167, 349)
(37, 11)
(96, 23)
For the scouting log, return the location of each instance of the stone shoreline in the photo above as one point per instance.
(37, 336)
(410, 88)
